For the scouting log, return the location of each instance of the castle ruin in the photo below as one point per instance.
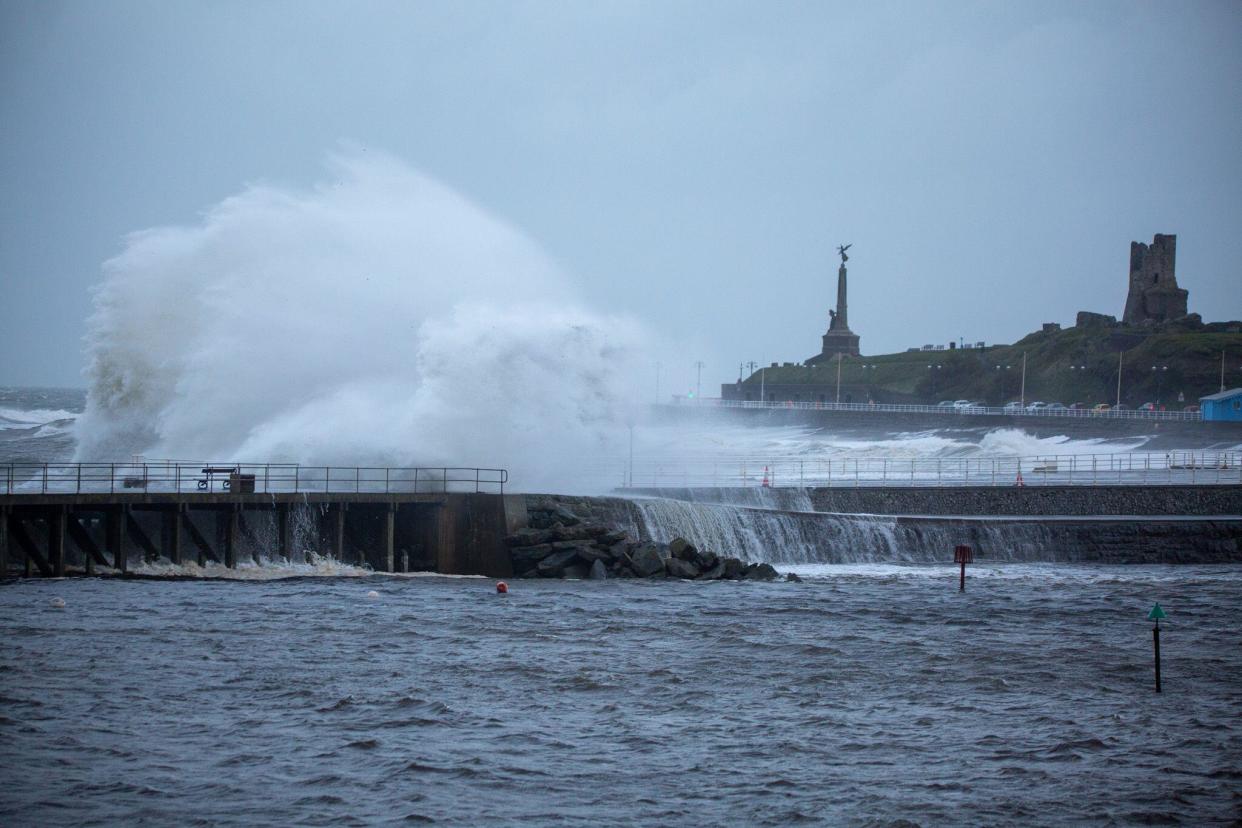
(1154, 295)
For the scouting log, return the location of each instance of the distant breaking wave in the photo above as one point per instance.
(378, 318)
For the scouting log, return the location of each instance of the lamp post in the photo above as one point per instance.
(1121, 355)
(698, 382)
(1022, 395)
(1003, 385)
(868, 378)
(931, 370)
(1159, 370)
(1078, 368)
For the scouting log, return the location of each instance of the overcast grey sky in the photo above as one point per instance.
(693, 164)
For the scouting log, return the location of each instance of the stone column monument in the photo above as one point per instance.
(839, 339)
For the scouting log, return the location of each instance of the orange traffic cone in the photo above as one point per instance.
(766, 482)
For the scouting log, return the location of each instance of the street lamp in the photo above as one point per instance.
(1004, 388)
(1159, 370)
(868, 378)
(932, 374)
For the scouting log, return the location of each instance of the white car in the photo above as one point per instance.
(960, 404)
(1036, 407)
(1013, 407)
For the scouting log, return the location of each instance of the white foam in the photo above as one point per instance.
(378, 319)
(319, 567)
(29, 417)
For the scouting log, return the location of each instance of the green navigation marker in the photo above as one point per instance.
(1156, 613)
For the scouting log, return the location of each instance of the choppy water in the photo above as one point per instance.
(866, 695)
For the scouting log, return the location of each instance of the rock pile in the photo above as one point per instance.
(559, 544)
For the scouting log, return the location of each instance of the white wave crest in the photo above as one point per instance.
(379, 319)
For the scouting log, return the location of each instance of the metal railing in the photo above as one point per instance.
(1083, 413)
(171, 477)
(1126, 469)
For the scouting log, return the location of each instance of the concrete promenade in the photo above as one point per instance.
(54, 534)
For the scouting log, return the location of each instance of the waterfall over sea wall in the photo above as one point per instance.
(789, 537)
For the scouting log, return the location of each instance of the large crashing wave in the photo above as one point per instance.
(379, 318)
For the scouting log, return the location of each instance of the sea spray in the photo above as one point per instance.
(378, 318)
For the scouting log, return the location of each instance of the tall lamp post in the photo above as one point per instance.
(931, 370)
(869, 378)
(1078, 368)
(1003, 384)
(1159, 370)
(698, 381)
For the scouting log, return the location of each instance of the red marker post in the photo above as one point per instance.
(963, 555)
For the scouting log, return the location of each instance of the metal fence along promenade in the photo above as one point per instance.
(948, 411)
(169, 477)
(1133, 469)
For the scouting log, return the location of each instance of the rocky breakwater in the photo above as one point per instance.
(559, 544)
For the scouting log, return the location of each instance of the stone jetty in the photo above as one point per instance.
(557, 543)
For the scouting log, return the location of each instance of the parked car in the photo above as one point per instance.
(1100, 408)
(1147, 406)
(1056, 407)
(1036, 407)
(960, 404)
(946, 404)
(1014, 407)
(1191, 409)
(1079, 406)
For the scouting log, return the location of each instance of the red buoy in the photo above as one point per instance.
(502, 587)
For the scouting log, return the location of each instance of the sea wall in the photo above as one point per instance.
(977, 500)
(784, 536)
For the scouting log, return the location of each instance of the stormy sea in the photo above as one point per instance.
(872, 692)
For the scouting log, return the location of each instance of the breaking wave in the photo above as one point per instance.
(378, 318)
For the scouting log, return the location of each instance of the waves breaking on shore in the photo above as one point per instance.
(379, 318)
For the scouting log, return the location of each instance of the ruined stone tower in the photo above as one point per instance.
(1154, 295)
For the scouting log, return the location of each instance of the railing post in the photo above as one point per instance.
(357, 478)
(267, 467)
(45, 478)
(78, 488)
(386, 480)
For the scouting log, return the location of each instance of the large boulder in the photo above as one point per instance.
(647, 560)
(760, 572)
(565, 516)
(715, 573)
(706, 559)
(682, 549)
(524, 557)
(733, 569)
(577, 571)
(554, 565)
(677, 568)
(530, 537)
(598, 572)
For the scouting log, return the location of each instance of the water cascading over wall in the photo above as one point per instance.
(789, 536)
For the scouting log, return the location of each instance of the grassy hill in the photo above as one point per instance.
(1076, 364)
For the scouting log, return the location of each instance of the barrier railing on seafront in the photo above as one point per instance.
(1072, 413)
(1126, 469)
(242, 478)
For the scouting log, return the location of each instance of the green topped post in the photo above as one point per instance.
(1157, 612)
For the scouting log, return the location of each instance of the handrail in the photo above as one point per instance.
(167, 476)
(995, 411)
(1170, 468)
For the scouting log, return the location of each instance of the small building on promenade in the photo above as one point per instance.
(1223, 407)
